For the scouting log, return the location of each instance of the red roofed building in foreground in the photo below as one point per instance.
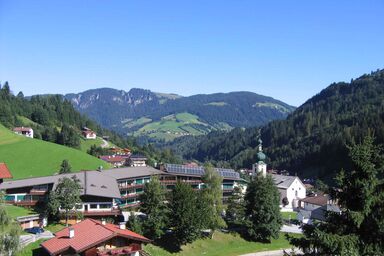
(4, 172)
(95, 238)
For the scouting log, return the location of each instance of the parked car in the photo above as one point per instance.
(34, 230)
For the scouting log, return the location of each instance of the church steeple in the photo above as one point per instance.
(260, 166)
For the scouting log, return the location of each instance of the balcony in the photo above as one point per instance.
(133, 185)
(128, 205)
(23, 203)
(126, 250)
(131, 195)
(172, 182)
(38, 192)
(112, 212)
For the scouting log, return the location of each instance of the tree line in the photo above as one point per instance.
(311, 141)
(54, 119)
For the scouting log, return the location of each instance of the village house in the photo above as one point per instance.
(137, 160)
(25, 131)
(291, 189)
(315, 208)
(95, 238)
(99, 193)
(115, 160)
(88, 133)
(105, 192)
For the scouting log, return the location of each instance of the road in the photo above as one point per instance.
(291, 229)
(270, 253)
(105, 144)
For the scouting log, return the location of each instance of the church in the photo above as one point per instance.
(291, 188)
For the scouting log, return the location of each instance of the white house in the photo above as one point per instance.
(25, 131)
(89, 134)
(291, 188)
(315, 208)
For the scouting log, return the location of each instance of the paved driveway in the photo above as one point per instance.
(291, 229)
(30, 238)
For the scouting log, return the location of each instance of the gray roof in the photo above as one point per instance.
(283, 181)
(93, 183)
(131, 172)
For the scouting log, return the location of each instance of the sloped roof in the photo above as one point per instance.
(130, 172)
(93, 183)
(22, 129)
(4, 172)
(87, 233)
(283, 181)
(317, 200)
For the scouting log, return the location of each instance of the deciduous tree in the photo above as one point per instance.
(66, 197)
(9, 231)
(154, 206)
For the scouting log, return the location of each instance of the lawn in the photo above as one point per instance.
(33, 249)
(27, 157)
(16, 211)
(221, 244)
(85, 144)
(54, 227)
(289, 215)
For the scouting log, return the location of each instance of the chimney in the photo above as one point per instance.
(71, 233)
(122, 225)
(103, 222)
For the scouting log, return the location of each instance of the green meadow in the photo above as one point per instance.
(27, 157)
(221, 244)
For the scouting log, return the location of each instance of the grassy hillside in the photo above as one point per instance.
(174, 126)
(32, 157)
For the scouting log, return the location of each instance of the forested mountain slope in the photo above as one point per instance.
(159, 116)
(312, 140)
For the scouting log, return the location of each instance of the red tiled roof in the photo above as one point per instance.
(113, 159)
(22, 129)
(88, 233)
(4, 172)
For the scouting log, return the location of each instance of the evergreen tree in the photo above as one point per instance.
(185, 217)
(263, 218)
(135, 224)
(235, 207)
(213, 197)
(65, 167)
(359, 229)
(9, 231)
(66, 196)
(153, 204)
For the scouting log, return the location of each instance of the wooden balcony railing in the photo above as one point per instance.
(23, 203)
(111, 212)
(126, 250)
(133, 185)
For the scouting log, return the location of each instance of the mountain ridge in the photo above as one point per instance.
(123, 111)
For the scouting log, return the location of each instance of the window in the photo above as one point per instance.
(105, 206)
(93, 206)
(139, 190)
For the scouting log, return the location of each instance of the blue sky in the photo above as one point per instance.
(289, 50)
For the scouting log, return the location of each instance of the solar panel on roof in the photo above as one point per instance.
(198, 170)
